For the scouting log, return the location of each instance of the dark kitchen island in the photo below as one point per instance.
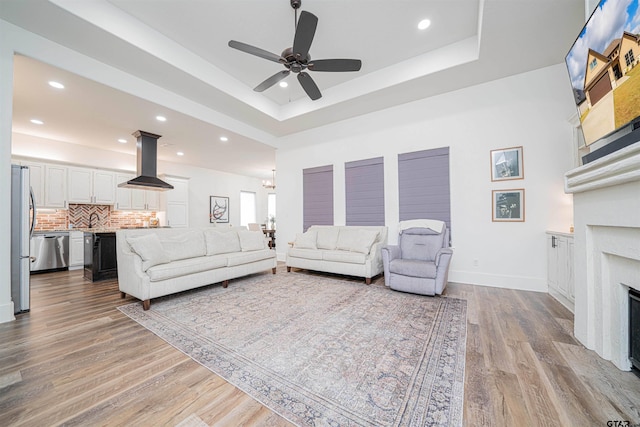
(100, 256)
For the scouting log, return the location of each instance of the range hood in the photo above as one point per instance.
(147, 149)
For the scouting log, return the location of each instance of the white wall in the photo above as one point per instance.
(531, 110)
(202, 182)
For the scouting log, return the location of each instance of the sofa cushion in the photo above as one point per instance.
(221, 242)
(306, 240)
(363, 241)
(344, 256)
(191, 244)
(327, 237)
(185, 267)
(240, 258)
(251, 240)
(305, 253)
(150, 249)
(413, 268)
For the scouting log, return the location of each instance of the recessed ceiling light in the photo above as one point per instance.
(180, 153)
(284, 84)
(424, 24)
(161, 118)
(37, 122)
(224, 139)
(57, 85)
(122, 141)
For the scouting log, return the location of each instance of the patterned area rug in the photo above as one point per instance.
(322, 351)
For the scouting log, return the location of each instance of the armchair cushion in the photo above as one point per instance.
(413, 268)
(420, 244)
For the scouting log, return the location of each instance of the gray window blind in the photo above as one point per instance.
(317, 196)
(423, 181)
(364, 182)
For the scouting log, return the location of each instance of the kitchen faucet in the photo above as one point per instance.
(91, 216)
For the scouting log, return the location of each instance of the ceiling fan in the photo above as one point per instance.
(297, 59)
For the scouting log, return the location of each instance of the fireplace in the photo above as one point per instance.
(606, 202)
(634, 330)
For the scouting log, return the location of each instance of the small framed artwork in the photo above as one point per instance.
(508, 205)
(507, 164)
(218, 209)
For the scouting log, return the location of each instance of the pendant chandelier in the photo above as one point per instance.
(270, 184)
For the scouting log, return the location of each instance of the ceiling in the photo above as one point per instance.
(204, 88)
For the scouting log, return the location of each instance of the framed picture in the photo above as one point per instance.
(508, 205)
(218, 209)
(507, 164)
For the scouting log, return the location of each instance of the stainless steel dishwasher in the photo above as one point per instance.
(50, 250)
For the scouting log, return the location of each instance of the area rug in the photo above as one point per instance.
(321, 351)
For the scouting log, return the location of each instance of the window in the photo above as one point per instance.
(247, 208)
(271, 206)
(628, 57)
(317, 196)
(423, 181)
(364, 182)
(593, 64)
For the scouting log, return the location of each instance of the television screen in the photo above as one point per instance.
(603, 67)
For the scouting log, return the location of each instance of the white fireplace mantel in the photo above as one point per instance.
(606, 205)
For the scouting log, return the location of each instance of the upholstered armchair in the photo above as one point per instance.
(419, 263)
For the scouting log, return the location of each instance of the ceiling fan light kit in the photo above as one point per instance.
(296, 59)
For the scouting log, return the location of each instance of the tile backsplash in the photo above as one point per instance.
(77, 216)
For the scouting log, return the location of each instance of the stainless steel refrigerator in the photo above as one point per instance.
(23, 214)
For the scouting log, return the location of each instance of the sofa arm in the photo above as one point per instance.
(443, 258)
(389, 253)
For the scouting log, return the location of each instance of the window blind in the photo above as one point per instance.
(317, 196)
(364, 185)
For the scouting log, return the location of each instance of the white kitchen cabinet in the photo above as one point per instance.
(76, 250)
(560, 277)
(91, 186)
(36, 180)
(123, 195)
(175, 202)
(55, 187)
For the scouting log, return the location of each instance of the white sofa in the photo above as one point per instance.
(157, 262)
(348, 250)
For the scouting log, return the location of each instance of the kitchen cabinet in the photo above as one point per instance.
(76, 250)
(100, 256)
(146, 200)
(55, 187)
(175, 202)
(91, 186)
(36, 180)
(560, 271)
(135, 199)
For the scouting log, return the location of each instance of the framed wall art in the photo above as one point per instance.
(218, 209)
(508, 205)
(506, 164)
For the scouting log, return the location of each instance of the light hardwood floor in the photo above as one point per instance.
(76, 360)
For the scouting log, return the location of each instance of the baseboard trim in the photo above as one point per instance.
(6, 312)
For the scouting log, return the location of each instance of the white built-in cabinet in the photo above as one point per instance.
(175, 202)
(560, 277)
(91, 186)
(128, 199)
(76, 250)
(49, 184)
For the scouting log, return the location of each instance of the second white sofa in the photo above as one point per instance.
(348, 250)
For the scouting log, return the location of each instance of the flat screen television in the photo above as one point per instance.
(604, 68)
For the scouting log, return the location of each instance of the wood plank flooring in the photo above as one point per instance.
(76, 360)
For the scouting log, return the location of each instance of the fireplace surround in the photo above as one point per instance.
(606, 203)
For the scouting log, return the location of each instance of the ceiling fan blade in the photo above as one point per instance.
(305, 31)
(271, 81)
(309, 86)
(247, 48)
(335, 65)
